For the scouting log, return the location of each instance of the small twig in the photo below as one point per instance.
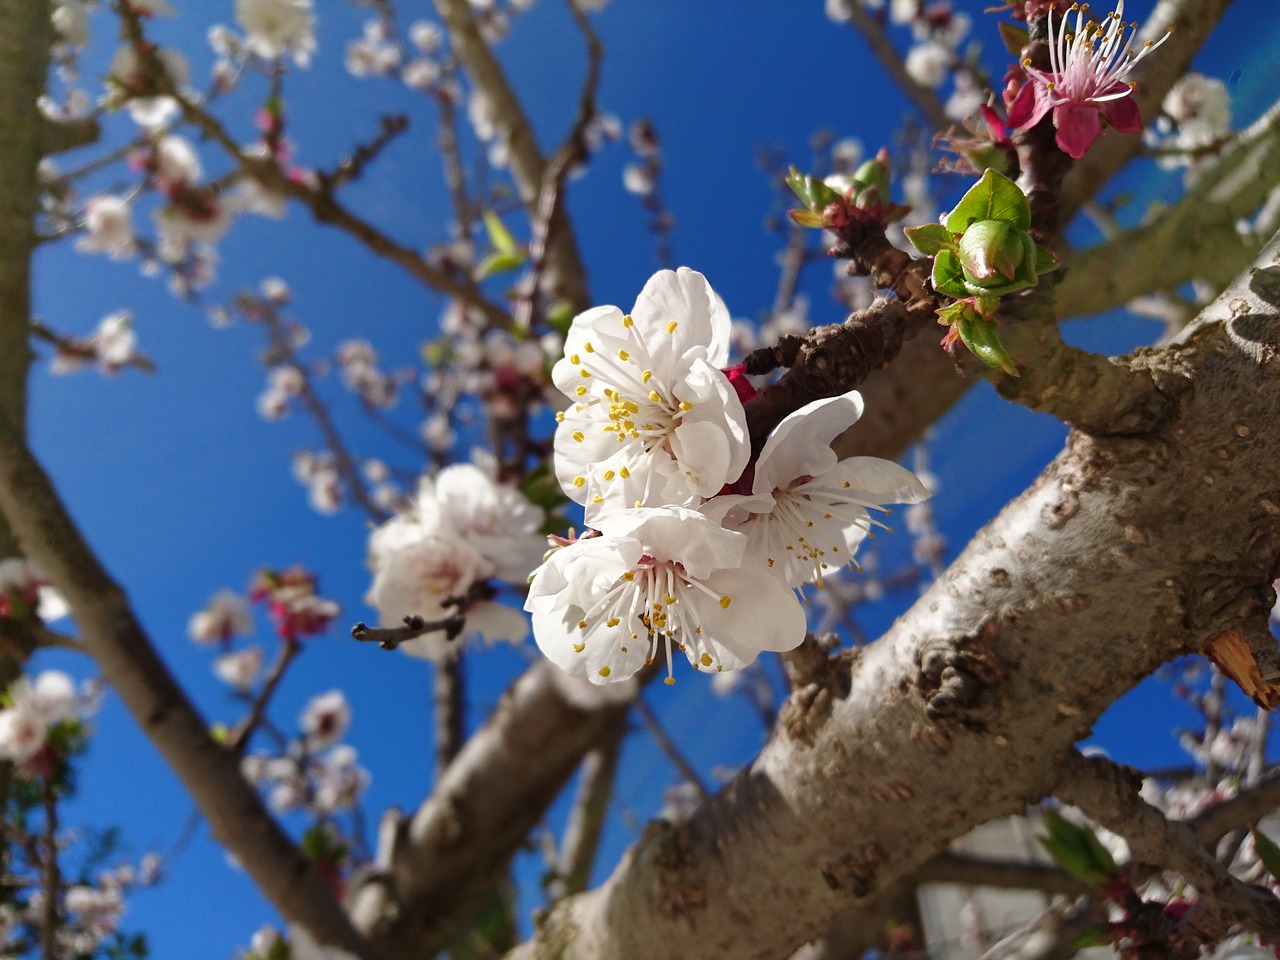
(350, 167)
(50, 879)
(283, 352)
(450, 699)
(668, 747)
(84, 349)
(414, 626)
(1001, 874)
(238, 741)
(1248, 806)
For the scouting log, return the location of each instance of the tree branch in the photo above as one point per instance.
(566, 277)
(129, 662)
(1109, 793)
(1196, 237)
(586, 819)
(882, 48)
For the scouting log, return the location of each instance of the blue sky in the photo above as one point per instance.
(183, 489)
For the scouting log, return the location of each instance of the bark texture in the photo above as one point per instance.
(1127, 552)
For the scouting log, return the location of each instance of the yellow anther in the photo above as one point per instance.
(584, 373)
(623, 355)
(628, 322)
(654, 396)
(579, 647)
(579, 436)
(559, 416)
(646, 376)
(624, 472)
(582, 624)
(671, 327)
(705, 659)
(629, 576)
(604, 671)
(686, 406)
(670, 681)
(612, 622)
(579, 481)
(638, 504)
(575, 359)
(668, 600)
(580, 391)
(588, 347)
(725, 601)
(609, 474)
(597, 499)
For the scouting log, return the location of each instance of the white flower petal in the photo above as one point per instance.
(801, 444)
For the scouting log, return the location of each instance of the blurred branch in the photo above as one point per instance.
(669, 749)
(585, 823)
(1001, 874)
(1191, 22)
(450, 700)
(1196, 237)
(283, 353)
(1109, 793)
(50, 878)
(1248, 806)
(129, 662)
(238, 740)
(882, 48)
(565, 274)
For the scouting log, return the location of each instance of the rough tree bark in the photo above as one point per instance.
(1128, 551)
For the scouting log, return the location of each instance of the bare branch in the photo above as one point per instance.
(450, 702)
(414, 626)
(586, 818)
(1002, 874)
(239, 738)
(1246, 807)
(50, 877)
(669, 749)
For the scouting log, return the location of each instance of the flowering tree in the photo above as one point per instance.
(626, 486)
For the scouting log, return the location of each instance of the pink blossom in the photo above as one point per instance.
(1085, 81)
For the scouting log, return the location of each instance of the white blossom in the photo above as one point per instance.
(325, 719)
(226, 615)
(239, 668)
(426, 36)
(126, 73)
(114, 339)
(109, 225)
(653, 420)
(176, 161)
(807, 510)
(276, 27)
(655, 578)
(71, 21)
(927, 63)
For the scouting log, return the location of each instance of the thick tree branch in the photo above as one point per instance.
(586, 820)
(1108, 793)
(129, 662)
(960, 712)
(1246, 807)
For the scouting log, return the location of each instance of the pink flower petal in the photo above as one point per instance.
(1078, 126)
(1123, 115)
(1030, 105)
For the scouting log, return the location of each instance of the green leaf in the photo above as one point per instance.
(499, 263)
(948, 276)
(1015, 38)
(500, 237)
(983, 340)
(560, 316)
(929, 238)
(1268, 852)
(542, 489)
(806, 218)
(812, 192)
(994, 197)
(1045, 261)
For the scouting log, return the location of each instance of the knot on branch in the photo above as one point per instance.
(818, 678)
(856, 871)
(954, 676)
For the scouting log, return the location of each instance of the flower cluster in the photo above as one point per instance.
(438, 560)
(293, 603)
(697, 544)
(33, 711)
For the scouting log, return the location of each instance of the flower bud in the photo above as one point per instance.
(990, 252)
